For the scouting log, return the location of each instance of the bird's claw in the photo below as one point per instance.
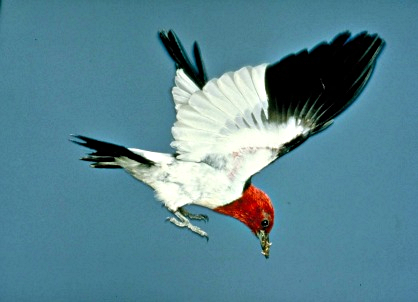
(183, 222)
(189, 215)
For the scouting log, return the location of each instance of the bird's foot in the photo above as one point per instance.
(182, 222)
(189, 215)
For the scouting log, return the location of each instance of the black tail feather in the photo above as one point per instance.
(106, 153)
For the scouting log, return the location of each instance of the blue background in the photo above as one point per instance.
(346, 201)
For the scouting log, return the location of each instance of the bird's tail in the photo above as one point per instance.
(106, 154)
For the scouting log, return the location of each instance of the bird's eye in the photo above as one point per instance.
(265, 223)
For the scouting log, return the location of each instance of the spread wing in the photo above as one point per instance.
(246, 119)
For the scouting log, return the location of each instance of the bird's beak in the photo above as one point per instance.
(265, 243)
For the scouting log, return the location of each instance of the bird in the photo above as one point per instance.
(229, 128)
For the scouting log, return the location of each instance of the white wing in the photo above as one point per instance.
(246, 119)
(226, 124)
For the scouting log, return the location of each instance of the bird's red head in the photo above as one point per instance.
(254, 209)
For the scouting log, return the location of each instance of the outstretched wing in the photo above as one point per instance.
(246, 119)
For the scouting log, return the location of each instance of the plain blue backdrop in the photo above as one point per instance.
(346, 201)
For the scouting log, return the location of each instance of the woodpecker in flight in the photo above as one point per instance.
(229, 128)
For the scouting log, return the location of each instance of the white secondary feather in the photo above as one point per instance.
(183, 90)
(226, 123)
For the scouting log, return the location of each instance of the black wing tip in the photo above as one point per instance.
(175, 49)
(167, 36)
(199, 63)
(365, 38)
(318, 84)
(347, 36)
(333, 73)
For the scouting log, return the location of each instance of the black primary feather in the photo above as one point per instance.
(105, 154)
(176, 51)
(317, 85)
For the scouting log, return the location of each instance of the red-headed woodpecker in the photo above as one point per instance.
(228, 129)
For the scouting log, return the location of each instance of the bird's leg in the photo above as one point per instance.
(183, 222)
(189, 215)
